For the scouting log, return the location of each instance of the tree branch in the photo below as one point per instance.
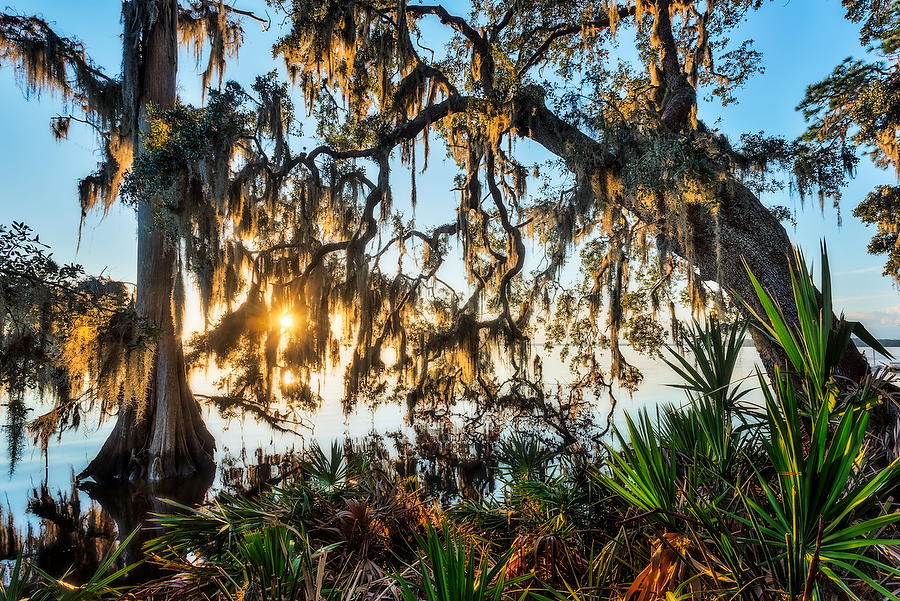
(458, 23)
(566, 29)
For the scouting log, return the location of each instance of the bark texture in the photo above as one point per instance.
(162, 436)
(743, 230)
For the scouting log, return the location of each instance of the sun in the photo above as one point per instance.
(286, 321)
(389, 356)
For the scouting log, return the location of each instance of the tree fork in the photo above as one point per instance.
(746, 227)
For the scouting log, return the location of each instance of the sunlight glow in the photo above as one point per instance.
(389, 356)
(286, 321)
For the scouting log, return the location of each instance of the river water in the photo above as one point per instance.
(237, 439)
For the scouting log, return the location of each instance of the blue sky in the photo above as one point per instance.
(802, 40)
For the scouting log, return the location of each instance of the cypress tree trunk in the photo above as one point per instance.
(163, 435)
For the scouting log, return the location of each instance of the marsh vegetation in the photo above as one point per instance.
(595, 203)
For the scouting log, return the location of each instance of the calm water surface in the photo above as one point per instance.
(237, 439)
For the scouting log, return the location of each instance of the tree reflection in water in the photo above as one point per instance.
(131, 505)
(453, 452)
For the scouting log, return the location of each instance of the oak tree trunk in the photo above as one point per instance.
(162, 436)
(742, 230)
(749, 232)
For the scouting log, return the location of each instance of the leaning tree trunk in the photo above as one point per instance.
(743, 230)
(163, 435)
(749, 233)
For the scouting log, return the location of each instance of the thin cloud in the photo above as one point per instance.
(889, 316)
(869, 297)
(861, 270)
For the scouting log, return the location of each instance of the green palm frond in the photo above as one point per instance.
(452, 570)
(715, 348)
(644, 473)
(19, 579)
(818, 503)
(814, 343)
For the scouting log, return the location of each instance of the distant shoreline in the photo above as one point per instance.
(885, 342)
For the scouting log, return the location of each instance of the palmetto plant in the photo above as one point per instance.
(274, 563)
(483, 513)
(715, 348)
(823, 513)
(216, 528)
(371, 528)
(524, 457)
(279, 564)
(539, 513)
(704, 432)
(98, 587)
(815, 343)
(271, 561)
(704, 429)
(335, 471)
(451, 569)
(539, 498)
(27, 581)
(644, 473)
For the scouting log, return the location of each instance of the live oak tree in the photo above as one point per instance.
(159, 430)
(637, 183)
(645, 183)
(300, 251)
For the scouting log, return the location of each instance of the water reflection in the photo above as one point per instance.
(71, 538)
(75, 531)
(451, 448)
(237, 476)
(10, 537)
(131, 506)
(453, 463)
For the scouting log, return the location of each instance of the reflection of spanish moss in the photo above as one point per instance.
(71, 537)
(10, 536)
(16, 418)
(238, 476)
(569, 413)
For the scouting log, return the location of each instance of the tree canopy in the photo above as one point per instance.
(635, 185)
(856, 109)
(298, 252)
